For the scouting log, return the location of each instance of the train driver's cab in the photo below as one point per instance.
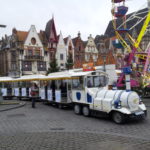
(97, 81)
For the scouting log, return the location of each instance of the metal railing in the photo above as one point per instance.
(34, 57)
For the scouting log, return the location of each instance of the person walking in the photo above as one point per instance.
(34, 93)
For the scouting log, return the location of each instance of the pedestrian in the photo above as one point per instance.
(34, 93)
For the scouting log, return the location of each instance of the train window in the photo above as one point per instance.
(90, 81)
(77, 83)
(97, 81)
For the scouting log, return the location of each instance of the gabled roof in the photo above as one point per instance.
(141, 13)
(85, 43)
(42, 36)
(21, 35)
(58, 36)
(50, 29)
(103, 39)
(74, 40)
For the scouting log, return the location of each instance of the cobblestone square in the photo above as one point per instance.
(47, 127)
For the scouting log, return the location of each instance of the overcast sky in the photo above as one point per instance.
(71, 16)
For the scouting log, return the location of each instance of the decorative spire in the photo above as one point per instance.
(52, 16)
(79, 34)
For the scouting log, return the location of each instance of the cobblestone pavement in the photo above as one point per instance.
(50, 128)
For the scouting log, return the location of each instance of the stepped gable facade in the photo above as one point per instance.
(79, 50)
(91, 49)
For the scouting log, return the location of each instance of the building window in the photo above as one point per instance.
(61, 56)
(41, 65)
(21, 51)
(13, 56)
(79, 48)
(70, 48)
(27, 66)
(13, 66)
(37, 53)
(33, 41)
(51, 45)
(30, 53)
(45, 53)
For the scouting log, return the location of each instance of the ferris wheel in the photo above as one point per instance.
(124, 24)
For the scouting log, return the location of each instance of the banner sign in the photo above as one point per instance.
(58, 95)
(49, 95)
(16, 90)
(23, 92)
(4, 91)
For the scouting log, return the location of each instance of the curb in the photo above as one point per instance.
(15, 107)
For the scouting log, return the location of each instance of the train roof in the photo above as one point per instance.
(52, 76)
(30, 77)
(6, 79)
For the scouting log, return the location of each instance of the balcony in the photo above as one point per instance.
(34, 57)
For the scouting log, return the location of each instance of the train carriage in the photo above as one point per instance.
(87, 92)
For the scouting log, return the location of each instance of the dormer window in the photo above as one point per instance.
(33, 41)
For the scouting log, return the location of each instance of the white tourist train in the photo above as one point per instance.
(86, 91)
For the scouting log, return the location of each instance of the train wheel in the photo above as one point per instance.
(86, 111)
(77, 109)
(118, 117)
